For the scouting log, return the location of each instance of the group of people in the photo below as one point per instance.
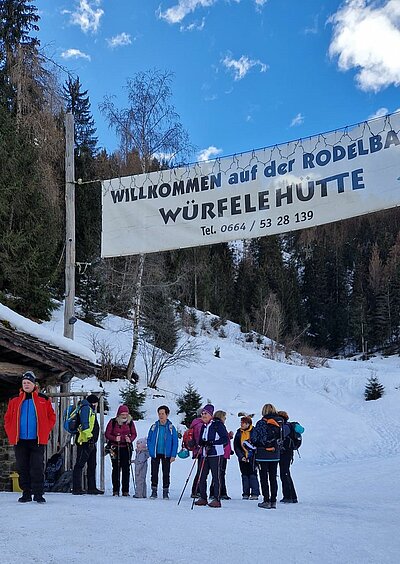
(260, 449)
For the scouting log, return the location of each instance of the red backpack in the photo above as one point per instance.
(188, 441)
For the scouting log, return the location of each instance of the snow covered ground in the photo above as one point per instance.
(347, 476)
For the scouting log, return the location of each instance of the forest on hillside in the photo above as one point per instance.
(334, 288)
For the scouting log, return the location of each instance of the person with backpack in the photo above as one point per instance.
(244, 450)
(221, 415)
(191, 442)
(162, 443)
(120, 434)
(213, 438)
(28, 422)
(86, 439)
(292, 441)
(267, 437)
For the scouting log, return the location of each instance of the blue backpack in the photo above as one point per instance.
(71, 418)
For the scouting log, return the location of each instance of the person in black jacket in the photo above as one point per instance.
(244, 450)
(267, 436)
(288, 489)
(213, 438)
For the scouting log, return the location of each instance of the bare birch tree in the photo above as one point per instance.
(150, 127)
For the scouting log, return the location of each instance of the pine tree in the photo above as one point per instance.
(134, 399)
(189, 403)
(18, 19)
(373, 389)
(89, 286)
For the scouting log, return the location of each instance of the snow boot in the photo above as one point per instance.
(201, 502)
(26, 496)
(165, 493)
(214, 503)
(39, 498)
(95, 492)
(153, 493)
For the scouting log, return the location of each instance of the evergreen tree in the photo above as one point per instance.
(373, 389)
(160, 323)
(18, 19)
(134, 399)
(189, 403)
(28, 225)
(89, 285)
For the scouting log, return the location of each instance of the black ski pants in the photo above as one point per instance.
(212, 463)
(222, 474)
(166, 469)
(121, 464)
(86, 454)
(30, 465)
(268, 471)
(288, 488)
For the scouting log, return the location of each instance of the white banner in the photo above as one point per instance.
(301, 184)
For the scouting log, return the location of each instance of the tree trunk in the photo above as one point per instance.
(130, 371)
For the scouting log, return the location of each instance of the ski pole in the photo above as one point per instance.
(190, 473)
(198, 479)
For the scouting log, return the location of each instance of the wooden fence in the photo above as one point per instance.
(62, 441)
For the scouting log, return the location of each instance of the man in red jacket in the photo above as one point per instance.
(28, 422)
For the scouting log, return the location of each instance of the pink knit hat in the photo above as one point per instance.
(122, 409)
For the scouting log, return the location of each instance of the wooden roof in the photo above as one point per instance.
(20, 352)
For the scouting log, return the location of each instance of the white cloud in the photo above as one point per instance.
(86, 15)
(380, 112)
(366, 36)
(194, 26)
(184, 7)
(209, 153)
(297, 120)
(119, 40)
(242, 66)
(74, 54)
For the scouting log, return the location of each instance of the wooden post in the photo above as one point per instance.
(69, 227)
(102, 457)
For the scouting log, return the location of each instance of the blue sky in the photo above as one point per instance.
(247, 73)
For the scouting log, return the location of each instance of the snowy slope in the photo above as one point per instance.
(346, 477)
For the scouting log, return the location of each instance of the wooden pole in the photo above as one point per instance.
(69, 227)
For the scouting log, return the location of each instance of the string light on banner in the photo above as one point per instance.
(303, 183)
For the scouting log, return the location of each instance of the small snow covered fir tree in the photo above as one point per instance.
(189, 403)
(373, 389)
(134, 399)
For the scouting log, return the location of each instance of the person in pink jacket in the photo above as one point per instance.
(120, 433)
(196, 425)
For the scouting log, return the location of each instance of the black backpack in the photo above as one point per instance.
(295, 435)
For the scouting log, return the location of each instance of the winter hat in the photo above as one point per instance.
(122, 409)
(29, 376)
(141, 444)
(246, 419)
(209, 409)
(92, 399)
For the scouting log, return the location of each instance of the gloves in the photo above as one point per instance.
(204, 443)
